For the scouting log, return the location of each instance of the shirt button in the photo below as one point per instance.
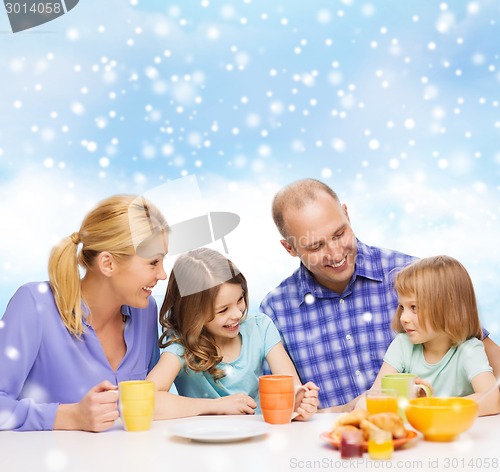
(341, 300)
(348, 337)
(358, 373)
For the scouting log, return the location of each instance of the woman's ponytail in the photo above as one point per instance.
(64, 277)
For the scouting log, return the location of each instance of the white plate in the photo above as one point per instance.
(218, 430)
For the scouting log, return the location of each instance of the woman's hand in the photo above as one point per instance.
(307, 402)
(236, 404)
(96, 411)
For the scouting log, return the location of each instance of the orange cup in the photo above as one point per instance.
(277, 398)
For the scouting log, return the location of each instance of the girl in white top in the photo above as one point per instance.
(440, 333)
(212, 349)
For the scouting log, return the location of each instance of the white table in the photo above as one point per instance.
(293, 447)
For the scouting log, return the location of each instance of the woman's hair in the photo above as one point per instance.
(445, 297)
(194, 283)
(121, 225)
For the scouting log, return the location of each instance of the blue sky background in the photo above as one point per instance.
(393, 103)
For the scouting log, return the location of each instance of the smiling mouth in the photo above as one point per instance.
(335, 265)
(232, 326)
(148, 289)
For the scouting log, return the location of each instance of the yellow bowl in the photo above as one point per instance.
(441, 418)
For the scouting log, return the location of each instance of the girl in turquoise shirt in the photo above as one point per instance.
(213, 350)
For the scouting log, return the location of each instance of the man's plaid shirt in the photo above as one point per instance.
(339, 341)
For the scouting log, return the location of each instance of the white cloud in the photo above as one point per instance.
(457, 221)
(38, 210)
(41, 210)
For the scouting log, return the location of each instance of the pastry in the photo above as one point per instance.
(353, 418)
(389, 422)
(367, 427)
(336, 434)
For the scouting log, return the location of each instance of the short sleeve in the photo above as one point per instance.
(395, 354)
(177, 350)
(269, 333)
(474, 357)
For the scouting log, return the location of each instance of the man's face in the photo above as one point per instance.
(320, 234)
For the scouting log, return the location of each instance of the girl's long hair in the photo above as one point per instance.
(193, 285)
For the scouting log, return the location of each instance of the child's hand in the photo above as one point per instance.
(236, 404)
(422, 392)
(307, 403)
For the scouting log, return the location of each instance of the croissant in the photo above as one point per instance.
(390, 422)
(353, 418)
(367, 427)
(336, 434)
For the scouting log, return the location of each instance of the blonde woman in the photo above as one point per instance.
(214, 350)
(66, 343)
(440, 333)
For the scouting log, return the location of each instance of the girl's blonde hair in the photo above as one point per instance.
(120, 224)
(184, 317)
(445, 297)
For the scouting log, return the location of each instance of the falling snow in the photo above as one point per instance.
(12, 353)
(396, 105)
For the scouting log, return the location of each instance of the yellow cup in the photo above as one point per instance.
(137, 404)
